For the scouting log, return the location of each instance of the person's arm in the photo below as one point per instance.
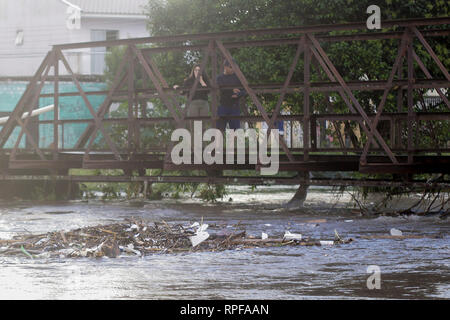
(186, 86)
(177, 87)
(203, 82)
(239, 92)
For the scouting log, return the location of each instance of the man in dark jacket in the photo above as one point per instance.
(230, 93)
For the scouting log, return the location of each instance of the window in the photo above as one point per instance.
(112, 35)
(98, 53)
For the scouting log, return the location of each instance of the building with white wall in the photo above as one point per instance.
(28, 29)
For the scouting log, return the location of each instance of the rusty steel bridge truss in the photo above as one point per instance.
(395, 153)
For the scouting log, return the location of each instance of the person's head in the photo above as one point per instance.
(227, 68)
(195, 71)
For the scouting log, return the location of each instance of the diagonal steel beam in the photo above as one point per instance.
(428, 75)
(155, 69)
(157, 85)
(160, 77)
(157, 76)
(339, 90)
(398, 59)
(97, 120)
(332, 78)
(431, 52)
(104, 107)
(18, 111)
(102, 110)
(252, 95)
(118, 82)
(30, 140)
(33, 101)
(353, 99)
(329, 107)
(300, 49)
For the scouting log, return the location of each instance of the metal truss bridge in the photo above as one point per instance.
(386, 149)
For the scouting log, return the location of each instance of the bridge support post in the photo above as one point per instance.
(301, 193)
(33, 127)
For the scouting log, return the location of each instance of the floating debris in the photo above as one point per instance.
(59, 212)
(132, 227)
(198, 238)
(26, 252)
(200, 233)
(316, 221)
(195, 224)
(202, 228)
(396, 232)
(140, 238)
(292, 236)
(402, 237)
(337, 237)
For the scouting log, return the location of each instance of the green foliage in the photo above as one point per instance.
(86, 191)
(110, 191)
(211, 193)
(133, 190)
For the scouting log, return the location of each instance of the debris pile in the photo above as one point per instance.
(140, 238)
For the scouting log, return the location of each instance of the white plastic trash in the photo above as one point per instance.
(396, 232)
(199, 238)
(326, 243)
(264, 235)
(132, 227)
(130, 249)
(202, 228)
(292, 236)
(195, 224)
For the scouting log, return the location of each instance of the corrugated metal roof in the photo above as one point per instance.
(121, 7)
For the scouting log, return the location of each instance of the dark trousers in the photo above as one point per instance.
(228, 111)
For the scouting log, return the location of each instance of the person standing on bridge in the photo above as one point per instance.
(230, 94)
(199, 106)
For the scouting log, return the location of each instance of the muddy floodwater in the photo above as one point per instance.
(415, 268)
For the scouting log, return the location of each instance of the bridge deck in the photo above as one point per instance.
(29, 167)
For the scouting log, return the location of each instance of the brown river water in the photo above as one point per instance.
(409, 268)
